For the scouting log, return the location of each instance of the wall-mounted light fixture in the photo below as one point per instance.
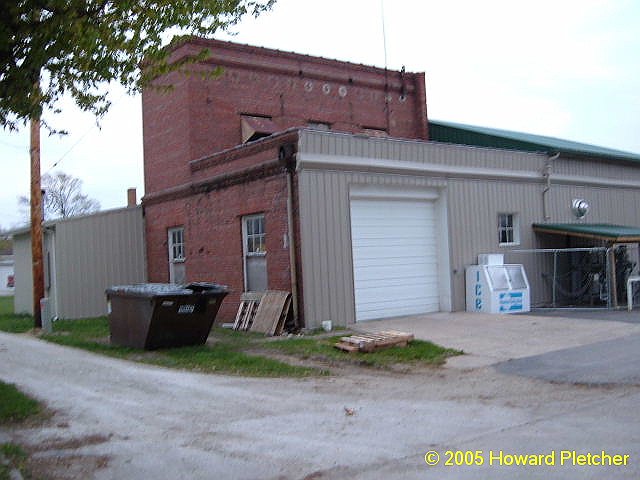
(579, 207)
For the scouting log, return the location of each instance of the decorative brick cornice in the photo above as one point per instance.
(254, 58)
(245, 175)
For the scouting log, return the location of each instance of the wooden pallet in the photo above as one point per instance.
(272, 313)
(371, 342)
(247, 310)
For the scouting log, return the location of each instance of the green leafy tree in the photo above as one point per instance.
(49, 48)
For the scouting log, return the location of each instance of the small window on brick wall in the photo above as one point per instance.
(508, 229)
(319, 125)
(255, 127)
(375, 132)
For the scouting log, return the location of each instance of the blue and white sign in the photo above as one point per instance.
(511, 302)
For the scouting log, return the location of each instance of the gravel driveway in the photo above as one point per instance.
(119, 420)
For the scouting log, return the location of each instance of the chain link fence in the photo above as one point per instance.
(578, 277)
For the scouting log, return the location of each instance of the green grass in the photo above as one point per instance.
(15, 405)
(15, 457)
(6, 305)
(224, 355)
(13, 323)
(231, 352)
(418, 352)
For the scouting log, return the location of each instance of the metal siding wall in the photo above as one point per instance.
(473, 226)
(93, 253)
(607, 205)
(593, 168)
(329, 143)
(472, 205)
(326, 259)
(23, 296)
(327, 268)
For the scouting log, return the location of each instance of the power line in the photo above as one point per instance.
(84, 135)
(17, 147)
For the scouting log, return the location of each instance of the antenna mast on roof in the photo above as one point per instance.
(386, 71)
(384, 34)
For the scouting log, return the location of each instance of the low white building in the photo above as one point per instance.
(83, 256)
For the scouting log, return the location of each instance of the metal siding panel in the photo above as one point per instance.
(425, 152)
(23, 295)
(94, 253)
(472, 204)
(322, 254)
(332, 225)
(594, 168)
(326, 240)
(310, 271)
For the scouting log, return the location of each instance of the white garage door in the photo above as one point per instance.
(395, 262)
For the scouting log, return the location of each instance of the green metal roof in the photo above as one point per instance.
(598, 231)
(448, 132)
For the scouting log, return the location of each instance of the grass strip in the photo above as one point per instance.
(230, 352)
(417, 352)
(13, 458)
(15, 405)
(13, 323)
(224, 355)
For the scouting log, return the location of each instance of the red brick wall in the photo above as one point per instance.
(213, 236)
(165, 130)
(201, 116)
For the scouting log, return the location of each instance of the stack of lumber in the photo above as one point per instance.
(371, 342)
(265, 313)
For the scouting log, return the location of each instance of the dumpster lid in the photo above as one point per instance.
(165, 289)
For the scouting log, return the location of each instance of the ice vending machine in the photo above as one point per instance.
(493, 287)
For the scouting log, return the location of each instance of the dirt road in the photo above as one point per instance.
(118, 420)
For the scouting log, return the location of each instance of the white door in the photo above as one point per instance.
(177, 271)
(255, 253)
(395, 263)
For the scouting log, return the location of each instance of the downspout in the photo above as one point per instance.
(288, 156)
(546, 174)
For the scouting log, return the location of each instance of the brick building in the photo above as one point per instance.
(317, 177)
(221, 199)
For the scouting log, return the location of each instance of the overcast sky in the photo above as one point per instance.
(567, 69)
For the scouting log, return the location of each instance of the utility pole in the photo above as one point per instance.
(36, 223)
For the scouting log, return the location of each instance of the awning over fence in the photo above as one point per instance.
(598, 231)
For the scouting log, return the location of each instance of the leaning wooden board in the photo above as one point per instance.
(272, 312)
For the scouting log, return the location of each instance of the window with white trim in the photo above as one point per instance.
(176, 244)
(255, 235)
(508, 229)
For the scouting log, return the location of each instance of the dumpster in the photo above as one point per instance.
(157, 315)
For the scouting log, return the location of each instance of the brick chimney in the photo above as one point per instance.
(131, 197)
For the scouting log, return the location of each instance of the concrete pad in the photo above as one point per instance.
(612, 362)
(487, 338)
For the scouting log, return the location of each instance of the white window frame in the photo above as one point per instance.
(178, 246)
(509, 229)
(261, 236)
